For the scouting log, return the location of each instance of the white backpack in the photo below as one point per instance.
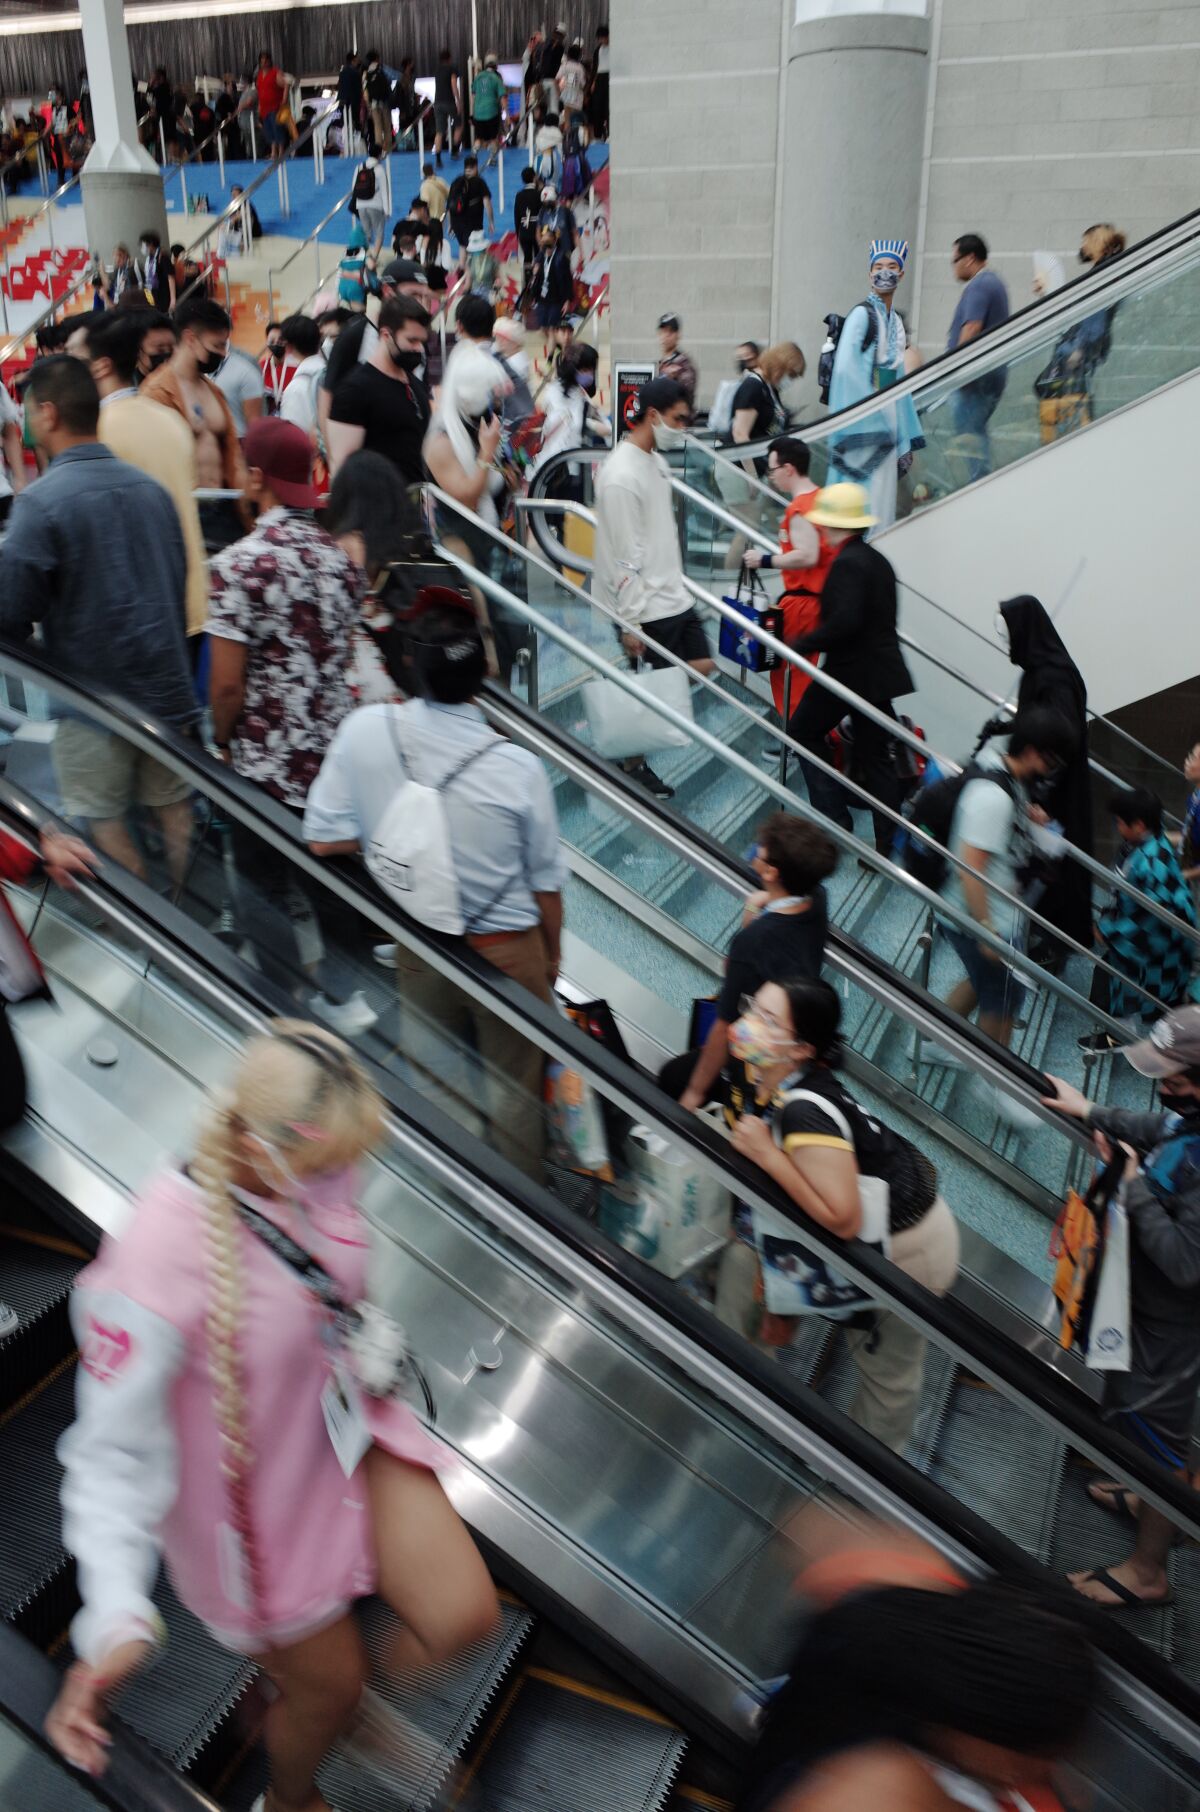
(410, 854)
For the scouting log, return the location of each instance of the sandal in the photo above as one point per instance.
(1116, 1499)
(1129, 1601)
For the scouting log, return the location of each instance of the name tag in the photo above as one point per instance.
(345, 1419)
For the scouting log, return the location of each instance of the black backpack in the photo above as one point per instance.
(834, 324)
(364, 184)
(931, 809)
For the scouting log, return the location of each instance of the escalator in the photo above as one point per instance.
(633, 1468)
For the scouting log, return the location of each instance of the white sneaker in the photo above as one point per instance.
(1013, 1113)
(933, 1052)
(10, 1321)
(350, 1017)
(385, 955)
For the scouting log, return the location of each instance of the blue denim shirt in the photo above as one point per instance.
(94, 553)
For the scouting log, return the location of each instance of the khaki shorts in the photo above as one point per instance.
(101, 775)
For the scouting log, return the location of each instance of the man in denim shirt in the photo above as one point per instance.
(96, 556)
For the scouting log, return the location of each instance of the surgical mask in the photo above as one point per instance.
(145, 249)
(319, 1193)
(406, 358)
(884, 281)
(666, 438)
(587, 381)
(752, 1042)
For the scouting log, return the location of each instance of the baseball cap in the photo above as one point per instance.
(669, 321)
(660, 393)
(403, 270)
(1173, 1045)
(282, 453)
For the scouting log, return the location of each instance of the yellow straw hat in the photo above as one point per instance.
(842, 506)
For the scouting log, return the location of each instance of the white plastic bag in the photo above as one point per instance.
(1108, 1335)
(621, 725)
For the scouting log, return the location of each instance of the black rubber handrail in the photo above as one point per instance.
(1031, 1081)
(994, 1551)
(968, 1334)
(136, 1780)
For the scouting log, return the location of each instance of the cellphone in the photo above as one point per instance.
(488, 416)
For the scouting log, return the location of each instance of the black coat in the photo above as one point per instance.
(857, 632)
(1050, 679)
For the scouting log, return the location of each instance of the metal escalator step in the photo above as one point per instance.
(178, 1704)
(33, 1562)
(568, 1748)
(35, 1281)
(445, 1704)
(1004, 1465)
(839, 1380)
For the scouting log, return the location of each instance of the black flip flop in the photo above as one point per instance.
(1114, 1500)
(1129, 1600)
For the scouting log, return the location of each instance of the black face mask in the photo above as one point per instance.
(158, 358)
(406, 358)
(211, 363)
(1084, 259)
(276, 350)
(742, 364)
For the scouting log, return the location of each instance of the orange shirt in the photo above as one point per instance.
(802, 588)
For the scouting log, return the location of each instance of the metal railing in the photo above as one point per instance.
(313, 239)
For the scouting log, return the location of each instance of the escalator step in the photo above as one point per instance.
(32, 1558)
(35, 1281)
(1087, 1536)
(839, 1380)
(1001, 1464)
(180, 1703)
(571, 1748)
(446, 1705)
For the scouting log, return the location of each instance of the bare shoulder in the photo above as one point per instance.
(876, 1775)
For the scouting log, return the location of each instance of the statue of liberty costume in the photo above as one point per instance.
(869, 358)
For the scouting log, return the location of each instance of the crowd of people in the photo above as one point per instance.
(295, 615)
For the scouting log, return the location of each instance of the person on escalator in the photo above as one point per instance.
(638, 568)
(1050, 678)
(850, 1174)
(804, 559)
(782, 935)
(240, 1414)
(1154, 1402)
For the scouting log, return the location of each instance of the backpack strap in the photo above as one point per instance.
(827, 1107)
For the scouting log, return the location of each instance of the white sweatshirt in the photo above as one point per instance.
(639, 572)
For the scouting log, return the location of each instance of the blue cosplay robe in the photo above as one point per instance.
(867, 453)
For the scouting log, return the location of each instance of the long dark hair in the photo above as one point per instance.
(368, 497)
(816, 1011)
(995, 1661)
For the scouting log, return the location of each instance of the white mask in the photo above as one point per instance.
(666, 438)
(1002, 632)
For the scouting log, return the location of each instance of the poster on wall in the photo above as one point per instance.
(627, 381)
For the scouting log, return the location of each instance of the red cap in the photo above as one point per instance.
(283, 455)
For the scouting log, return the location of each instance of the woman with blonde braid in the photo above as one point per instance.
(221, 1425)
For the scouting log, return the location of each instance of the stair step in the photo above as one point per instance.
(559, 1740)
(36, 1578)
(1087, 1536)
(445, 1705)
(1002, 1464)
(35, 1281)
(180, 1705)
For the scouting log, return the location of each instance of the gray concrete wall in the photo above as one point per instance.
(695, 114)
(852, 144)
(1049, 115)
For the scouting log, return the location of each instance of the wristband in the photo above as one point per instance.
(767, 560)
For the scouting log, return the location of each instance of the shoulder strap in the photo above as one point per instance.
(310, 1270)
(828, 1107)
(974, 770)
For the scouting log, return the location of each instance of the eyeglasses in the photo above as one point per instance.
(748, 1008)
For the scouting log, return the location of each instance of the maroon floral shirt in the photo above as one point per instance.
(295, 599)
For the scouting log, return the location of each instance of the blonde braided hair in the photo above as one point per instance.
(300, 1090)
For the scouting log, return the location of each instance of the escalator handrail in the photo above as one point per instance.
(136, 1779)
(739, 877)
(897, 731)
(611, 1273)
(970, 1338)
(791, 801)
(565, 558)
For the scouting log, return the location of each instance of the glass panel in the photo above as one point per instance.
(31, 1777)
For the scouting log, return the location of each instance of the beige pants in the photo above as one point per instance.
(443, 1030)
(890, 1357)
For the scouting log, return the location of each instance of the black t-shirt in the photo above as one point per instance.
(774, 947)
(465, 204)
(394, 414)
(755, 393)
(343, 354)
(526, 209)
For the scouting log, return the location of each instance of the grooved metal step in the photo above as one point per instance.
(35, 1281)
(564, 1747)
(32, 1557)
(1004, 1465)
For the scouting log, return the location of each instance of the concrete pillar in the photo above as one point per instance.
(122, 184)
(853, 141)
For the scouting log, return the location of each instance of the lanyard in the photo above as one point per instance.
(792, 899)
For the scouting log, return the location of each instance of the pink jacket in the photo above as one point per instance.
(143, 1458)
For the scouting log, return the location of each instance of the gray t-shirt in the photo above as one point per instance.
(984, 299)
(996, 819)
(239, 380)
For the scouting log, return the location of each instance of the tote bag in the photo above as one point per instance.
(620, 725)
(1076, 1245)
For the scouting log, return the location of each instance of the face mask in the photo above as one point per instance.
(158, 358)
(275, 349)
(406, 358)
(752, 1043)
(1084, 259)
(883, 281)
(1002, 632)
(587, 381)
(145, 249)
(666, 438)
(211, 363)
(317, 1194)
(742, 364)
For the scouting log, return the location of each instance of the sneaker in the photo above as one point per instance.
(350, 1017)
(10, 1321)
(1097, 1042)
(771, 755)
(645, 776)
(933, 1052)
(385, 955)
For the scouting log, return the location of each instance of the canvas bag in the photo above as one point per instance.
(620, 725)
(410, 854)
(796, 1281)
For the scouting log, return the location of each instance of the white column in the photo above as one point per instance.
(122, 186)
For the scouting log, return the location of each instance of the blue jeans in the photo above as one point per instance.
(972, 408)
